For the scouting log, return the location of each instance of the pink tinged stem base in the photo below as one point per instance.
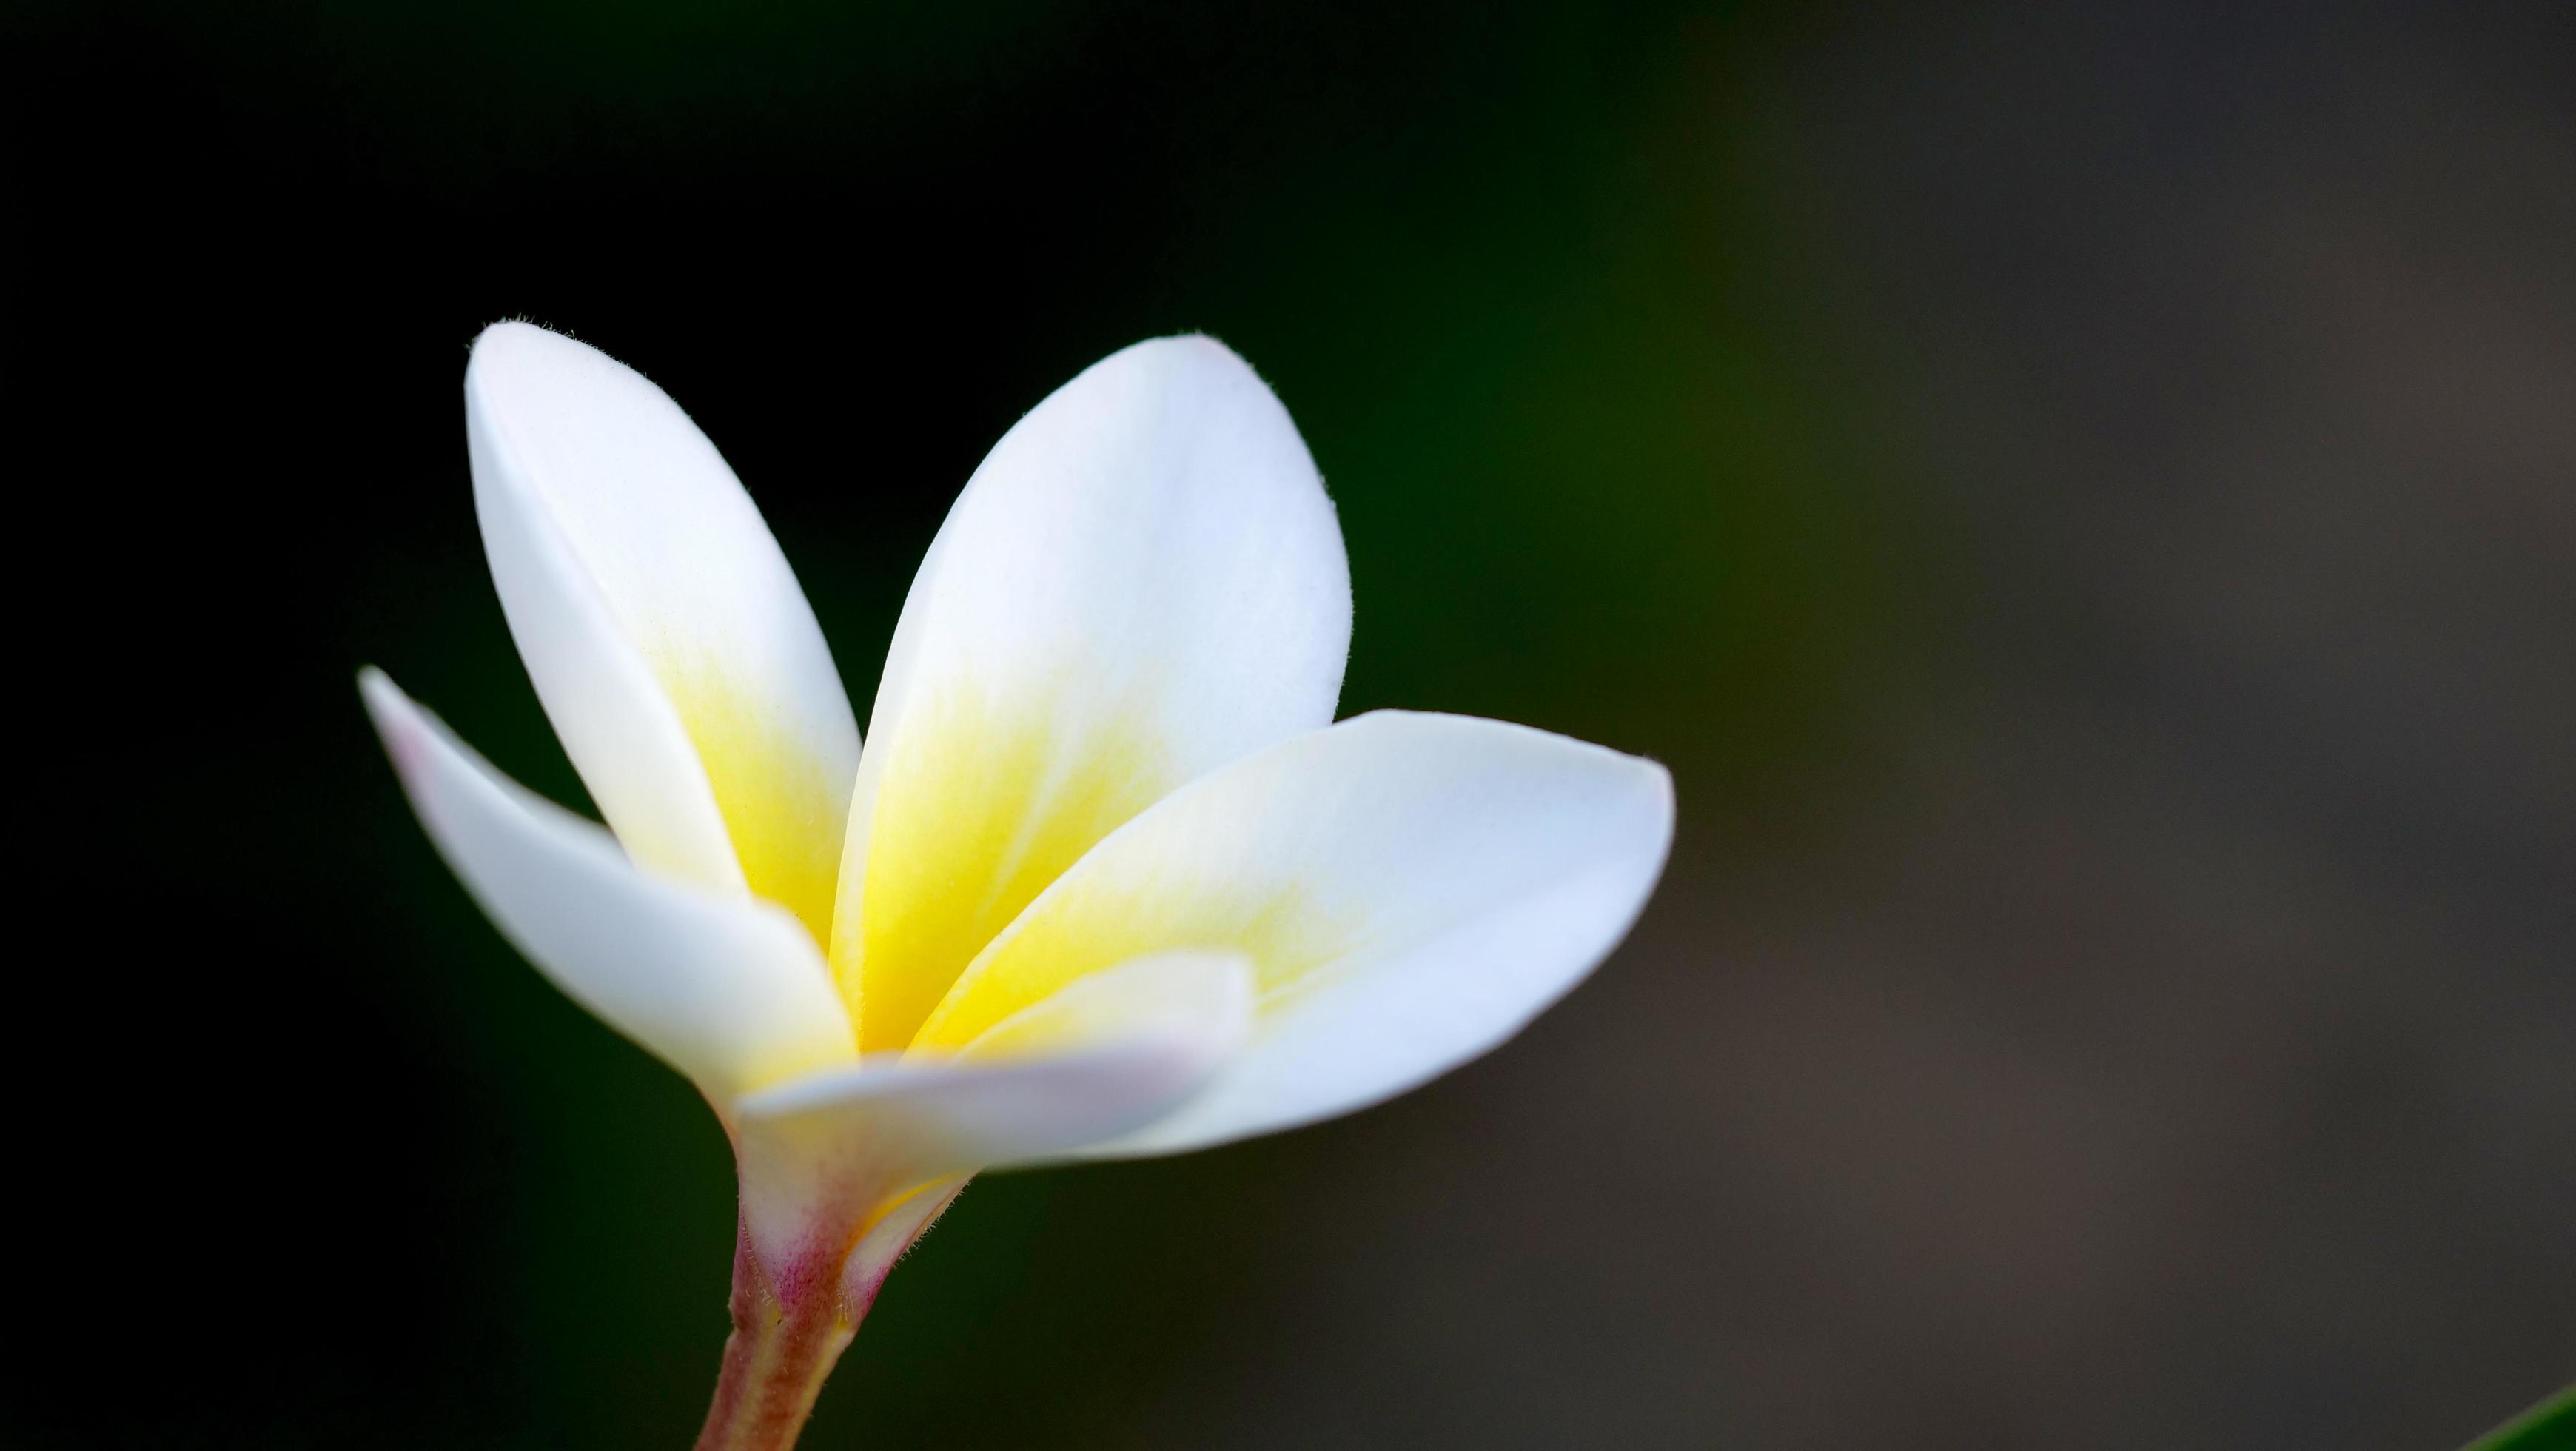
(788, 1332)
(793, 1315)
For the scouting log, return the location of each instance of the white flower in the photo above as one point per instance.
(1106, 881)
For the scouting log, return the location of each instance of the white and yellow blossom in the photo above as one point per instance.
(1106, 880)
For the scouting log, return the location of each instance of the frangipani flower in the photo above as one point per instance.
(1106, 880)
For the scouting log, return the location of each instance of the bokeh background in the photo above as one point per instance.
(2084, 499)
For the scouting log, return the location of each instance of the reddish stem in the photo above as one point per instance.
(788, 1329)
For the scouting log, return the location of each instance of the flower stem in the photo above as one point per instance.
(788, 1330)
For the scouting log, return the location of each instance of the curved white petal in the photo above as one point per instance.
(1410, 888)
(1192, 995)
(1143, 581)
(670, 643)
(732, 993)
(819, 1151)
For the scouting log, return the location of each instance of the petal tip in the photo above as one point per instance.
(396, 717)
(1199, 352)
(515, 333)
(512, 355)
(1207, 344)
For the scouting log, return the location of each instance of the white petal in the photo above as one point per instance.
(731, 992)
(671, 645)
(1410, 888)
(1186, 996)
(822, 1150)
(1143, 581)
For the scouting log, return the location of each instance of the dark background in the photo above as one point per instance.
(2083, 498)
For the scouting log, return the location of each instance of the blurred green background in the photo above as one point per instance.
(2084, 499)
